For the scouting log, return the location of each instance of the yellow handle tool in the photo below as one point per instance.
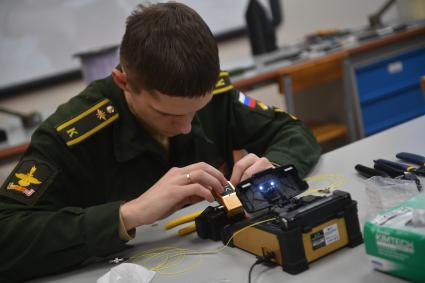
(187, 230)
(182, 219)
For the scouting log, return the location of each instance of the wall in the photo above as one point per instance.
(39, 38)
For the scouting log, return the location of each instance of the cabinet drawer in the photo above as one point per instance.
(380, 114)
(389, 72)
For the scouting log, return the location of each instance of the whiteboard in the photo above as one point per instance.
(39, 37)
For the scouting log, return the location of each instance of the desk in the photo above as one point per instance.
(346, 265)
(17, 137)
(368, 69)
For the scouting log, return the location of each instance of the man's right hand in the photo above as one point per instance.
(177, 188)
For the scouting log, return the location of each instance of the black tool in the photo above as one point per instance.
(396, 172)
(415, 159)
(28, 120)
(3, 135)
(370, 172)
(401, 166)
(375, 19)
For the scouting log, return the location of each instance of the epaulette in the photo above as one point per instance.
(223, 84)
(88, 122)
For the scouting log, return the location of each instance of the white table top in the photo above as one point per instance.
(232, 264)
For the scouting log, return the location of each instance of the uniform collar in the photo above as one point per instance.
(131, 139)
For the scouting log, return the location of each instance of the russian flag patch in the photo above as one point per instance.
(246, 100)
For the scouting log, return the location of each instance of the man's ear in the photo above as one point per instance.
(120, 79)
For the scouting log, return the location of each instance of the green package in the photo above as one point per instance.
(395, 240)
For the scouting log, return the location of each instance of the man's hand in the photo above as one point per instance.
(178, 187)
(248, 166)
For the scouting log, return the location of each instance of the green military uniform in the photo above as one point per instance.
(61, 203)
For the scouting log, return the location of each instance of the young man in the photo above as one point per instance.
(133, 148)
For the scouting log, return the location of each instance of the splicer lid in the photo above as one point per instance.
(272, 187)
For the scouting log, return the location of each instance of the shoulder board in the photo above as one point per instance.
(88, 122)
(223, 84)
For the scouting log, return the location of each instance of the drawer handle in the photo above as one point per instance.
(395, 67)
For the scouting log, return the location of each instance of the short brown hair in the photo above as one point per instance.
(169, 48)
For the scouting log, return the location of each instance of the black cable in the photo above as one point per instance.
(260, 259)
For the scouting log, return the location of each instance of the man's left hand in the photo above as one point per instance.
(248, 166)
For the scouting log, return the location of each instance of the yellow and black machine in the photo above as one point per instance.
(290, 230)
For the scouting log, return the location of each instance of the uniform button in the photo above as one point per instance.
(110, 109)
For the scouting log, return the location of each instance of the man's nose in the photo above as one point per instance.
(184, 124)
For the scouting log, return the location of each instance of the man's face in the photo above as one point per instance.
(167, 115)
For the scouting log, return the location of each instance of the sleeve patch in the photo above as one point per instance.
(252, 103)
(247, 101)
(28, 181)
(223, 84)
(259, 105)
(88, 123)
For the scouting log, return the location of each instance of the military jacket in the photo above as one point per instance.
(60, 205)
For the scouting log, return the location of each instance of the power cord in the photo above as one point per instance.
(260, 259)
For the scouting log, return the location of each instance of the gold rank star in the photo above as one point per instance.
(101, 115)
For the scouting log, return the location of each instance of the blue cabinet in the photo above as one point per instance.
(388, 90)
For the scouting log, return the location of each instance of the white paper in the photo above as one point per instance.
(127, 273)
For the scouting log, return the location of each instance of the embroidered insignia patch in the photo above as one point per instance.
(88, 123)
(253, 103)
(246, 100)
(223, 84)
(28, 181)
